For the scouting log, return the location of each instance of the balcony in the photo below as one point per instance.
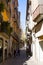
(29, 2)
(15, 3)
(5, 28)
(38, 13)
(7, 1)
(15, 36)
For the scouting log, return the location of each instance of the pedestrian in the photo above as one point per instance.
(14, 52)
(18, 51)
(27, 51)
(9, 54)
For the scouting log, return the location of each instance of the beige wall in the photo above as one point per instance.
(35, 3)
(40, 1)
(41, 50)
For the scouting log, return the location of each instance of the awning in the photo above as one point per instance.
(40, 37)
(39, 33)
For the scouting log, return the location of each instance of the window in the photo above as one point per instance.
(13, 2)
(7, 1)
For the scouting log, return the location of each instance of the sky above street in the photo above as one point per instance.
(22, 9)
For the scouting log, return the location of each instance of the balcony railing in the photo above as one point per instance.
(38, 11)
(15, 36)
(5, 27)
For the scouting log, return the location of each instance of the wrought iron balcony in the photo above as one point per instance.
(15, 36)
(5, 27)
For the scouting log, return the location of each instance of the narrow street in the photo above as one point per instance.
(20, 60)
(21, 32)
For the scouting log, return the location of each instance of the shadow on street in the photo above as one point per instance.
(18, 59)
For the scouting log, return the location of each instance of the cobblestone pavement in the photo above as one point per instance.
(20, 60)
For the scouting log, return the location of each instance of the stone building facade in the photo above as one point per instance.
(15, 23)
(36, 26)
(10, 28)
(4, 31)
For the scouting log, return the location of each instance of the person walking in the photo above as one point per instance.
(27, 51)
(14, 51)
(18, 51)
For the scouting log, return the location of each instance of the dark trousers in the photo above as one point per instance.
(18, 52)
(14, 52)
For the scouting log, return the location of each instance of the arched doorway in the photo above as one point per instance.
(1, 49)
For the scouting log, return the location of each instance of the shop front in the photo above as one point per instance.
(1, 49)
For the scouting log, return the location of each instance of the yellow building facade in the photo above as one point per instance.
(10, 28)
(4, 37)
